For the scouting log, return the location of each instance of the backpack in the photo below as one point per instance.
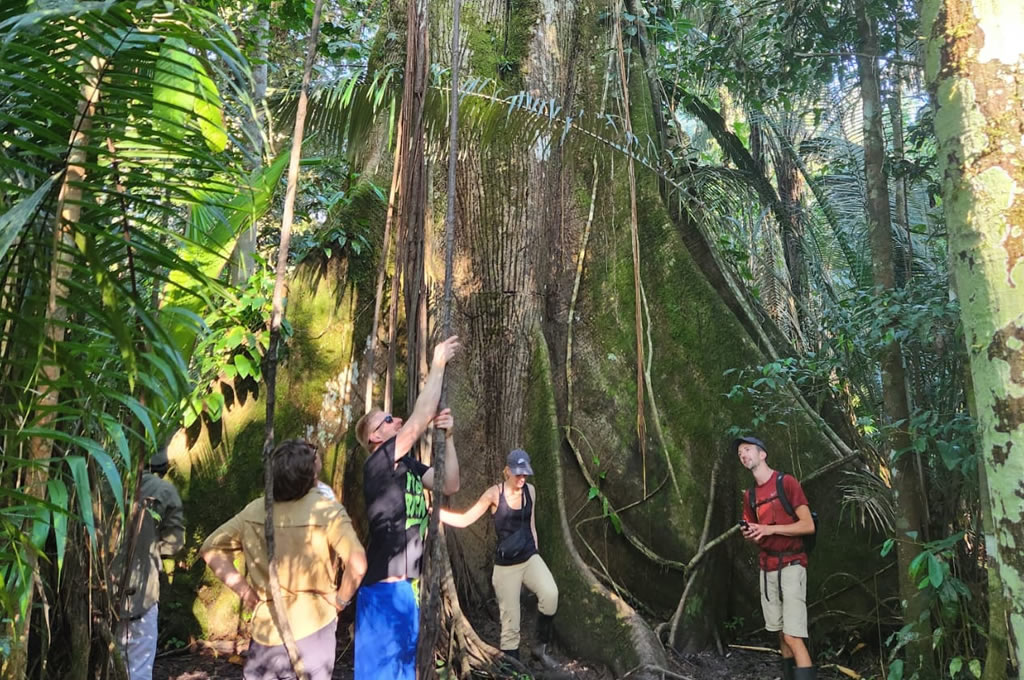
(810, 539)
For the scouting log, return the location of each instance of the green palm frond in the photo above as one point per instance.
(870, 498)
(153, 144)
(341, 113)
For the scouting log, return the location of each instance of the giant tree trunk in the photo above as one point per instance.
(522, 214)
(510, 231)
(907, 492)
(975, 68)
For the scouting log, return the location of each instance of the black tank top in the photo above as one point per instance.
(508, 521)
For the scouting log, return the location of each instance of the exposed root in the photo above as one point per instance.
(655, 416)
(678, 615)
(626, 531)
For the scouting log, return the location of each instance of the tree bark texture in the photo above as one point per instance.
(521, 215)
(792, 227)
(975, 68)
(908, 495)
(412, 194)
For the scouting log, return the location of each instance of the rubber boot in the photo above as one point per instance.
(545, 630)
(805, 673)
(787, 668)
(514, 653)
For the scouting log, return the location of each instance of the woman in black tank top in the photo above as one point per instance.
(516, 560)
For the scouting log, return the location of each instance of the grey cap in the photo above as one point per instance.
(748, 440)
(518, 462)
(159, 458)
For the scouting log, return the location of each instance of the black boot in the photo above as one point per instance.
(545, 630)
(805, 673)
(787, 668)
(545, 627)
(514, 653)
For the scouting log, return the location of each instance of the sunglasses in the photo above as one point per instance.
(388, 418)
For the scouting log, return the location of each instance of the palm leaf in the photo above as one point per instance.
(150, 146)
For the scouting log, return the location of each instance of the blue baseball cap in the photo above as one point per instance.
(518, 462)
(748, 440)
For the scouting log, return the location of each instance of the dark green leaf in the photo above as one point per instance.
(80, 475)
(15, 219)
(935, 571)
(58, 495)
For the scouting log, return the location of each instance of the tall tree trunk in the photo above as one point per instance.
(438, 564)
(895, 102)
(412, 192)
(509, 213)
(370, 360)
(69, 209)
(975, 69)
(788, 177)
(908, 494)
(998, 648)
(270, 363)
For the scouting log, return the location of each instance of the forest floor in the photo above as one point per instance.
(202, 661)
(736, 664)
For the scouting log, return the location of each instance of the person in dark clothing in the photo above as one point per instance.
(161, 527)
(517, 563)
(783, 557)
(387, 613)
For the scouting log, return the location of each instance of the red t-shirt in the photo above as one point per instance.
(771, 511)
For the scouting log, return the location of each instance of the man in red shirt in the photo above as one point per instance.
(783, 558)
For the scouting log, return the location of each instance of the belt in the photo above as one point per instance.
(782, 565)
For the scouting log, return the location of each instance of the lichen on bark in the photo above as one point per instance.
(975, 69)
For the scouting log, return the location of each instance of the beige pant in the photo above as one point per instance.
(508, 582)
(785, 611)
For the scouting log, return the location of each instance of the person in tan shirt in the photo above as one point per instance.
(312, 535)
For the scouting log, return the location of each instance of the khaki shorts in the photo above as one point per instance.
(786, 611)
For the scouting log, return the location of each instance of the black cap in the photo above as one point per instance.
(748, 440)
(159, 458)
(518, 462)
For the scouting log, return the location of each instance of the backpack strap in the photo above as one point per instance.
(752, 502)
(781, 491)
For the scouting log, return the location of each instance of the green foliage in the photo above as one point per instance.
(923, 320)
(233, 346)
(949, 598)
(339, 217)
(183, 92)
(93, 374)
(220, 210)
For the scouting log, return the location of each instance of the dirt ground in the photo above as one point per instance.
(736, 664)
(202, 662)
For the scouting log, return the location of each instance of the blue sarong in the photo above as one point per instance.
(387, 629)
